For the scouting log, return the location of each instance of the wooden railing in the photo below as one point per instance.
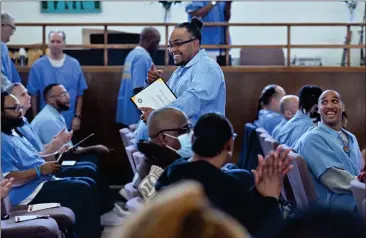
(288, 45)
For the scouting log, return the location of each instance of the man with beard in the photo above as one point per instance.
(305, 118)
(57, 67)
(136, 66)
(332, 154)
(49, 122)
(198, 82)
(33, 178)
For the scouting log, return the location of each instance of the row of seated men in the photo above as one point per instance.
(169, 130)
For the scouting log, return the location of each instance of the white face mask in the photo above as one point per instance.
(185, 141)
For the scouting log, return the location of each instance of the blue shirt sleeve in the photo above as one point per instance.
(195, 5)
(9, 159)
(139, 72)
(14, 73)
(82, 82)
(33, 85)
(203, 88)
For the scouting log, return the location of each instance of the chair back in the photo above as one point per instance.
(138, 157)
(359, 193)
(123, 133)
(129, 151)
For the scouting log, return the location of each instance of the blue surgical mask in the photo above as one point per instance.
(185, 141)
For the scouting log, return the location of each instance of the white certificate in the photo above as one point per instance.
(155, 96)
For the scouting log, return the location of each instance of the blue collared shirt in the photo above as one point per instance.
(7, 65)
(31, 135)
(136, 67)
(322, 149)
(268, 120)
(70, 75)
(211, 35)
(17, 154)
(277, 129)
(48, 123)
(297, 126)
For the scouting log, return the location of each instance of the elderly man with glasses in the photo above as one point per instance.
(8, 69)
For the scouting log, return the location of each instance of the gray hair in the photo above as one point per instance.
(6, 18)
(57, 32)
(10, 89)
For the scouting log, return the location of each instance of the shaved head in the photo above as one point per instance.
(150, 39)
(289, 105)
(329, 92)
(165, 118)
(331, 109)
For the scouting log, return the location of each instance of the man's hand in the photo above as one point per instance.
(146, 113)
(75, 124)
(5, 186)
(50, 168)
(58, 141)
(270, 171)
(154, 74)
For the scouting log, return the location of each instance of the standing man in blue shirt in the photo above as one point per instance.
(7, 66)
(57, 67)
(211, 11)
(332, 154)
(136, 66)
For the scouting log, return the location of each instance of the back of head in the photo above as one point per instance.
(48, 90)
(211, 132)
(322, 222)
(267, 93)
(180, 211)
(6, 18)
(289, 103)
(193, 27)
(308, 97)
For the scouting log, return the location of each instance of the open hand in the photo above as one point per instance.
(5, 186)
(153, 74)
(146, 113)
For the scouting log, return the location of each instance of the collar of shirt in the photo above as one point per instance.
(54, 112)
(300, 114)
(333, 132)
(142, 48)
(202, 53)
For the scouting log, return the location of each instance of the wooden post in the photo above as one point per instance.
(105, 45)
(166, 58)
(44, 39)
(227, 40)
(349, 37)
(288, 45)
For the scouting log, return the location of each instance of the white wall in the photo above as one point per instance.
(241, 12)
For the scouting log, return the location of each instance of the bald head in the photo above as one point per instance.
(331, 109)
(164, 119)
(289, 104)
(150, 39)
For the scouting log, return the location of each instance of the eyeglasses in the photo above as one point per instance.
(183, 130)
(13, 28)
(64, 94)
(16, 109)
(180, 43)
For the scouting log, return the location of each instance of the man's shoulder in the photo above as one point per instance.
(40, 62)
(43, 116)
(72, 60)
(138, 54)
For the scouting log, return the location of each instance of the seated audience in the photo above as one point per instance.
(332, 154)
(50, 121)
(213, 143)
(269, 115)
(289, 105)
(304, 119)
(321, 222)
(169, 132)
(33, 180)
(181, 211)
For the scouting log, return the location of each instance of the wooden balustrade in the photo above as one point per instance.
(288, 46)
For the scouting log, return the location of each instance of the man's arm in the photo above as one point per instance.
(22, 177)
(79, 105)
(140, 69)
(198, 9)
(33, 87)
(338, 180)
(82, 86)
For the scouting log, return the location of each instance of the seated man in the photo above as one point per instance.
(332, 154)
(289, 105)
(169, 132)
(269, 107)
(49, 121)
(32, 176)
(213, 143)
(304, 119)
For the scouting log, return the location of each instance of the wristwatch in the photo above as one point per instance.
(78, 116)
(213, 3)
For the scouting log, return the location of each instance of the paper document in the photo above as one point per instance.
(29, 217)
(155, 96)
(42, 206)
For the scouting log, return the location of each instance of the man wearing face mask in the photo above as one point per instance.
(305, 118)
(229, 190)
(170, 139)
(57, 67)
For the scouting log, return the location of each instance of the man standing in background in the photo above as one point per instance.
(7, 66)
(211, 11)
(136, 65)
(57, 67)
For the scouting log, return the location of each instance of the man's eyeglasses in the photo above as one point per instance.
(180, 43)
(16, 109)
(64, 94)
(182, 130)
(13, 28)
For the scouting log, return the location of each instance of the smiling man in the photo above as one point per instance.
(332, 153)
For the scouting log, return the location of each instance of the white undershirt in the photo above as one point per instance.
(57, 63)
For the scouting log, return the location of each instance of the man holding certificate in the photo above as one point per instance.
(198, 83)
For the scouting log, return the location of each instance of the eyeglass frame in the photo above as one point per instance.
(13, 28)
(184, 129)
(17, 109)
(180, 43)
